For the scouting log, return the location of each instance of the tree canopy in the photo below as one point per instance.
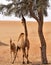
(27, 7)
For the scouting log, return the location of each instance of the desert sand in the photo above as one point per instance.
(12, 29)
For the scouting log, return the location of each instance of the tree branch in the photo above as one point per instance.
(32, 13)
(9, 5)
(2, 6)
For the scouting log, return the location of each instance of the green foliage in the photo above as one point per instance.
(43, 4)
(23, 6)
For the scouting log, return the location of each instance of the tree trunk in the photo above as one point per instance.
(40, 32)
(42, 40)
(43, 45)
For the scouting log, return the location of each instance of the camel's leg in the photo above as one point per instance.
(15, 54)
(11, 55)
(28, 46)
(23, 59)
(23, 55)
(27, 55)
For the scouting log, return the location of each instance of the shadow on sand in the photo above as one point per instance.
(32, 63)
(3, 44)
(38, 63)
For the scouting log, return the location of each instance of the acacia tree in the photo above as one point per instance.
(33, 8)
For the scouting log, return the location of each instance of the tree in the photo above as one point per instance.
(33, 8)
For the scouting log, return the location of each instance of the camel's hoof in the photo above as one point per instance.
(12, 62)
(23, 62)
(27, 62)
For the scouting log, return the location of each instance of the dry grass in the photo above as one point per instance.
(12, 30)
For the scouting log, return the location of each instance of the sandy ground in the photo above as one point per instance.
(9, 29)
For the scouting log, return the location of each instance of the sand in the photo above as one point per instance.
(12, 29)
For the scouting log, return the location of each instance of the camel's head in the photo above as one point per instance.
(23, 20)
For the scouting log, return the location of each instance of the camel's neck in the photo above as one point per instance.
(26, 33)
(25, 27)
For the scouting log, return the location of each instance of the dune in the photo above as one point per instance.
(12, 29)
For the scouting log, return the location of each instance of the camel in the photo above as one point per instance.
(24, 42)
(12, 49)
(27, 43)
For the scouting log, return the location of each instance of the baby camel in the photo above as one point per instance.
(12, 49)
